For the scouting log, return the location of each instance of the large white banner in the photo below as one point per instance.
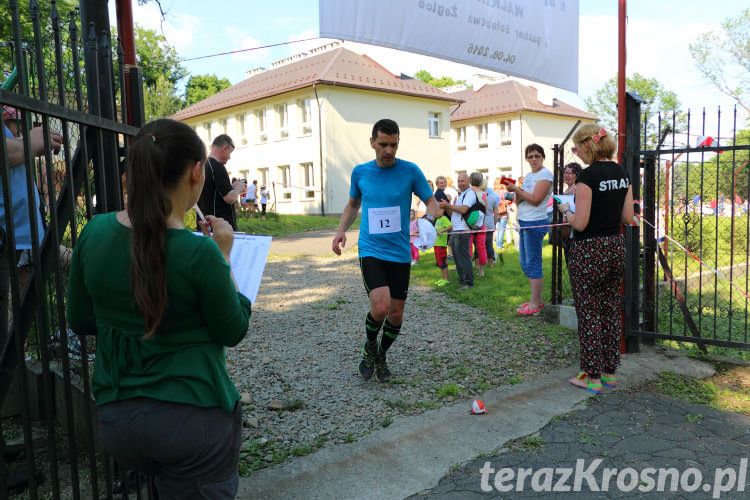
(533, 39)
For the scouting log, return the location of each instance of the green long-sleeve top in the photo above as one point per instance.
(185, 360)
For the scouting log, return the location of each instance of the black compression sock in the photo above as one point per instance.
(390, 332)
(372, 327)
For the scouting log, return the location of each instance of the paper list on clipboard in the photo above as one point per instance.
(570, 199)
(248, 258)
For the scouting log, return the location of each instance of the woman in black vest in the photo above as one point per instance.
(604, 200)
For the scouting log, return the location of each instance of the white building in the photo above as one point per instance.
(301, 126)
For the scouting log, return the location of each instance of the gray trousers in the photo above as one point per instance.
(192, 450)
(461, 244)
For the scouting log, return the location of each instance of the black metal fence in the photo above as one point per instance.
(69, 80)
(687, 276)
(693, 271)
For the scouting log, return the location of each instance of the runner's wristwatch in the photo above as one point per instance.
(429, 218)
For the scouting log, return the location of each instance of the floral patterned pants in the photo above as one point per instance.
(597, 269)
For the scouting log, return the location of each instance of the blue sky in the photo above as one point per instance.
(658, 36)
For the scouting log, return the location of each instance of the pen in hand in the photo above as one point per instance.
(203, 218)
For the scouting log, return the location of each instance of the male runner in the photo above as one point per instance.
(383, 188)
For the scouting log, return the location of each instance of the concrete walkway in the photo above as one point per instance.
(414, 453)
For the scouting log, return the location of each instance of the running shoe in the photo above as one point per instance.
(382, 373)
(367, 364)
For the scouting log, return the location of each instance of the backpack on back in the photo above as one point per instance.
(474, 216)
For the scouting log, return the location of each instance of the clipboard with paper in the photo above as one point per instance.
(570, 199)
(248, 257)
(248, 260)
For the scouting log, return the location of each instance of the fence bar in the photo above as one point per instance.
(632, 165)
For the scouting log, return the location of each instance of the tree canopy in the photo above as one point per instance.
(658, 100)
(723, 57)
(443, 81)
(161, 99)
(200, 87)
(7, 61)
(156, 57)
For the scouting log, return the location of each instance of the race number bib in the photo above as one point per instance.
(384, 220)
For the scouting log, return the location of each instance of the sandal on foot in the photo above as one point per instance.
(595, 388)
(525, 305)
(610, 382)
(529, 312)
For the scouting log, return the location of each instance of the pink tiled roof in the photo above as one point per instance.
(340, 67)
(509, 97)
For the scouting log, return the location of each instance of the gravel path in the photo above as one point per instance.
(297, 367)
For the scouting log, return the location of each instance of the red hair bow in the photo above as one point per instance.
(599, 135)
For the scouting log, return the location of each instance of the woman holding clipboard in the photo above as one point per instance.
(604, 200)
(162, 320)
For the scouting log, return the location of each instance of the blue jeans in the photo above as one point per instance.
(500, 230)
(530, 252)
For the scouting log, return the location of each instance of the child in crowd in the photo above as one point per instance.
(442, 226)
(414, 232)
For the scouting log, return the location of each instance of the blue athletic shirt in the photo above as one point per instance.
(380, 188)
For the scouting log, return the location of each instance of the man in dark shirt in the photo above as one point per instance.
(219, 195)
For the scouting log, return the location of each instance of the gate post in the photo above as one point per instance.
(632, 165)
(100, 90)
(556, 297)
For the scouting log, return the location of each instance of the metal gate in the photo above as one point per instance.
(72, 81)
(689, 280)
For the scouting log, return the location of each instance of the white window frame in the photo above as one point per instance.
(224, 124)
(460, 138)
(263, 177)
(305, 116)
(282, 121)
(482, 130)
(505, 132)
(307, 176)
(241, 121)
(260, 126)
(285, 176)
(207, 127)
(433, 124)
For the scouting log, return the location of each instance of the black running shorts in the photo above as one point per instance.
(394, 275)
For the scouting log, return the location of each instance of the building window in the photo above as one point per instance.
(263, 177)
(505, 133)
(224, 126)
(286, 182)
(260, 125)
(461, 138)
(482, 135)
(207, 126)
(282, 121)
(433, 120)
(305, 124)
(306, 175)
(241, 128)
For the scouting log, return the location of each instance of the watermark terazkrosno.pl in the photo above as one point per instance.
(592, 477)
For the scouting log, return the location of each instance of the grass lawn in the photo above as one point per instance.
(499, 292)
(728, 390)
